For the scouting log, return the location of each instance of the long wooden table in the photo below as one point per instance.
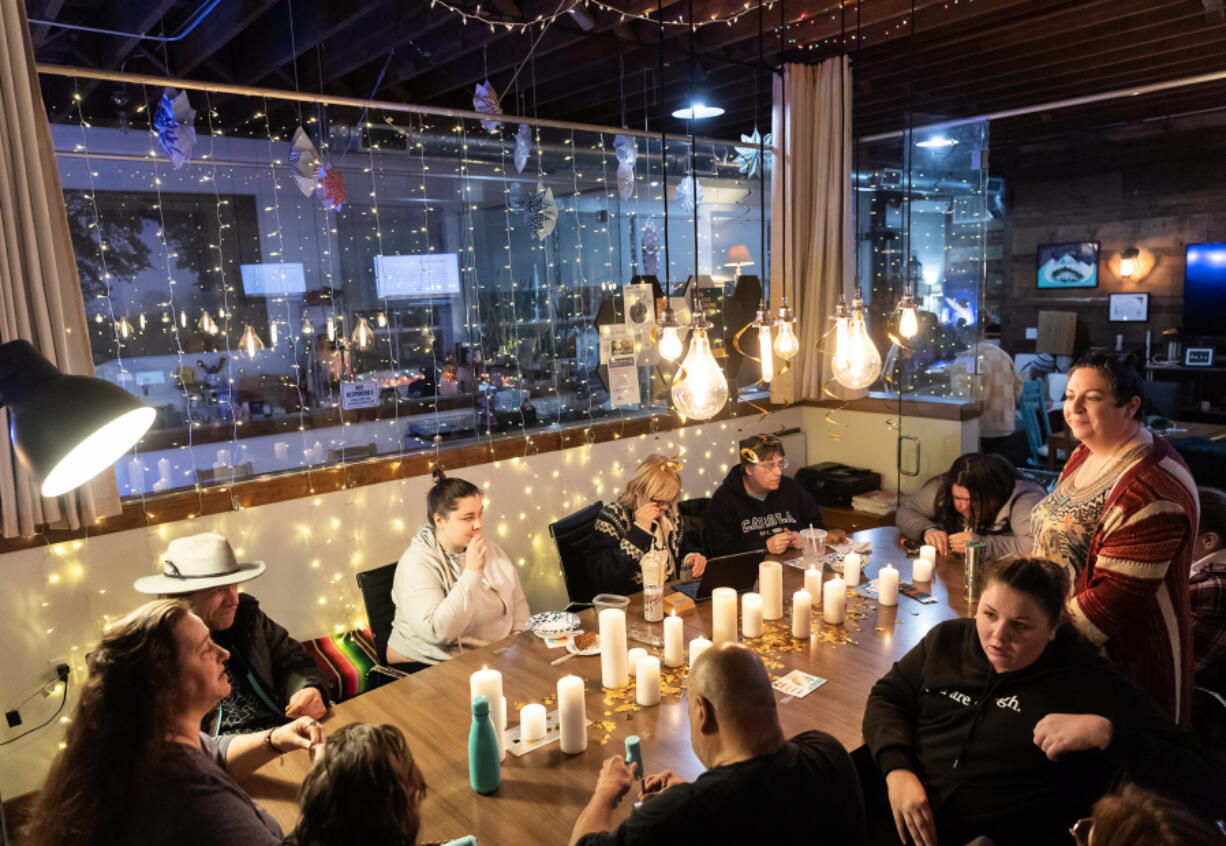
(542, 792)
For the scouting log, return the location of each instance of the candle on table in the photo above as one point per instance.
(634, 655)
(723, 615)
(921, 570)
(572, 715)
(770, 585)
(223, 457)
(851, 569)
(813, 581)
(834, 597)
(532, 722)
(698, 646)
(614, 667)
(674, 641)
(488, 683)
(887, 585)
(647, 680)
(751, 615)
(802, 604)
(928, 553)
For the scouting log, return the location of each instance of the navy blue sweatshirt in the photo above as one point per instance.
(737, 522)
(967, 732)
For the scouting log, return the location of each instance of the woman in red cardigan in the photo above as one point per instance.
(1122, 520)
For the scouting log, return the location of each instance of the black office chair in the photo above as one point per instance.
(571, 535)
(691, 512)
(1162, 398)
(376, 588)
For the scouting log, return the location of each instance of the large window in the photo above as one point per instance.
(461, 291)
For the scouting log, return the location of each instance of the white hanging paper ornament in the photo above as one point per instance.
(173, 119)
(650, 246)
(541, 212)
(304, 162)
(689, 192)
(749, 159)
(627, 155)
(523, 147)
(486, 101)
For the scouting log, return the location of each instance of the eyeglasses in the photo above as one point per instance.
(1081, 831)
(772, 466)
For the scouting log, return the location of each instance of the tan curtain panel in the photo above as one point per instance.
(40, 296)
(811, 235)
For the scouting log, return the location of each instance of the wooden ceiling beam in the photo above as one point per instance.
(42, 10)
(224, 23)
(267, 45)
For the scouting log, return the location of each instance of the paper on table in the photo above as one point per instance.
(869, 589)
(797, 683)
(561, 640)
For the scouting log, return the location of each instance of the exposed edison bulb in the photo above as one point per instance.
(182, 319)
(141, 321)
(272, 334)
(857, 364)
(786, 345)
(669, 343)
(700, 389)
(908, 323)
(308, 328)
(381, 320)
(250, 343)
(363, 335)
(206, 324)
(764, 352)
(331, 328)
(123, 328)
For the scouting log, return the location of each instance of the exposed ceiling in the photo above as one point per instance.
(953, 58)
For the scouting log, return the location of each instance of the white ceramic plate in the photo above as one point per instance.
(553, 623)
(594, 649)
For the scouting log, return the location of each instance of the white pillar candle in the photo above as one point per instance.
(851, 569)
(834, 596)
(813, 582)
(921, 570)
(488, 683)
(281, 450)
(698, 646)
(674, 641)
(723, 615)
(647, 680)
(928, 553)
(887, 585)
(614, 668)
(802, 604)
(634, 655)
(770, 585)
(532, 722)
(751, 615)
(572, 715)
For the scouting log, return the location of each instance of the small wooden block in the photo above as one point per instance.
(678, 603)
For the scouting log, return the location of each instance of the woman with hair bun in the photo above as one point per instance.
(454, 587)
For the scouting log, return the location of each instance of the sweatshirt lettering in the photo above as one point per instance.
(766, 521)
(957, 696)
(1009, 702)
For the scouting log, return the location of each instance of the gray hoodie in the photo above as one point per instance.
(1010, 532)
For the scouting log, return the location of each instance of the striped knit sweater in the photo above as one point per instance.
(618, 543)
(1131, 598)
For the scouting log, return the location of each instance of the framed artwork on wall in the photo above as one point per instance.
(1128, 308)
(1068, 265)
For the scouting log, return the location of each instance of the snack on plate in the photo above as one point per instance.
(585, 640)
(836, 536)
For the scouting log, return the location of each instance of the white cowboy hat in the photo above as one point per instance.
(196, 563)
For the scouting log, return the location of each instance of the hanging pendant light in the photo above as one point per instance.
(166, 317)
(272, 334)
(363, 335)
(908, 321)
(182, 319)
(206, 324)
(381, 320)
(763, 322)
(786, 345)
(700, 389)
(250, 343)
(668, 340)
(123, 328)
(141, 322)
(308, 328)
(857, 364)
(331, 328)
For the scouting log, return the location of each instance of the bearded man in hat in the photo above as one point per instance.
(271, 675)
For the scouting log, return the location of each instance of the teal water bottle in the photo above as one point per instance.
(484, 768)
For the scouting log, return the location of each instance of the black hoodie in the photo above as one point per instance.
(736, 522)
(968, 733)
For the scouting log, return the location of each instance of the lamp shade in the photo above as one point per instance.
(65, 429)
(738, 255)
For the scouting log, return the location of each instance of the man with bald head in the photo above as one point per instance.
(759, 787)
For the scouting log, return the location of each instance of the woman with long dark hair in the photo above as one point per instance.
(980, 497)
(135, 765)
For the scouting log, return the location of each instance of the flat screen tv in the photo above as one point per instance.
(275, 279)
(1204, 290)
(417, 275)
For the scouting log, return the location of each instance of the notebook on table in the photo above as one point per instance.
(739, 571)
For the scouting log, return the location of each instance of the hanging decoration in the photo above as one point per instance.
(749, 159)
(250, 343)
(174, 121)
(627, 154)
(857, 364)
(689, 192)
(485, 101)
(308, 328)
(541, 212)
(206, 324)
(523, 147)
(700, 388)
(668, 341)
(650, 245)
(786, 345)
(362, 336)
(304, 162)
(331, 191)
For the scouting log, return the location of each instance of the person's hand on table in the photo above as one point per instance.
(302, 733)
(937, 538)
(698, 562)
(1056, 734)
(474, 557)
(909, 804)
(657, 783)
(795, 540)
(957, 543)
(308, 702)
(777, 543)
(614, 780)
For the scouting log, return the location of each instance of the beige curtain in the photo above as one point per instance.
(40, 296)
(811, 237)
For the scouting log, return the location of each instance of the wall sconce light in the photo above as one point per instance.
(1129, 263)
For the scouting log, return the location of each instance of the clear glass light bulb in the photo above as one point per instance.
(908, 323)
(250, 343)
(857, 364)
(272, 334)
(701, 389)
(124, 328)
(363, 335)
(381, 320)
(764, 352)
(669, 344)
(786, 345)
(1128, 266)
(331, 329)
